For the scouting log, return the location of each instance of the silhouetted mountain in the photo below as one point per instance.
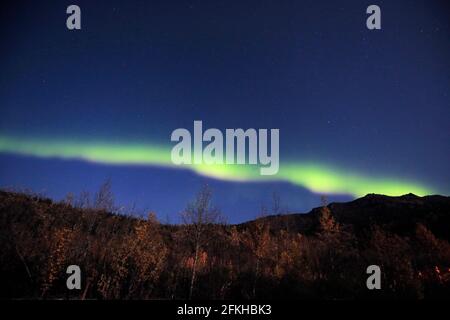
(397, 214)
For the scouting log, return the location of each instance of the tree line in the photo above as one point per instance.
(125, 257)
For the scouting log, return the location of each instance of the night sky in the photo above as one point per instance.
(359, 110)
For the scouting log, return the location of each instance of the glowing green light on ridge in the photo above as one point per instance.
(322, 179)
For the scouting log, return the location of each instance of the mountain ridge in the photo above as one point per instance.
(369, 209)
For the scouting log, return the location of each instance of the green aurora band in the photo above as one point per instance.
(315, 177)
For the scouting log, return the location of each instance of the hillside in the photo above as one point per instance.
(398, 214)
(322, 254)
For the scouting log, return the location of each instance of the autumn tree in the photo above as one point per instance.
(60, 241)
(327, 223)
(257, 239)
(136, 262)
(149, 254)
(393, 254)
(104, 198)
(198, 218)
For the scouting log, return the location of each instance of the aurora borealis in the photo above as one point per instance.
(359, 111)
(317, 178)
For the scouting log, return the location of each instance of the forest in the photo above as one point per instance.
(322, 254)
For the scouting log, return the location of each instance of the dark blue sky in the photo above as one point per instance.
(374, 102)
